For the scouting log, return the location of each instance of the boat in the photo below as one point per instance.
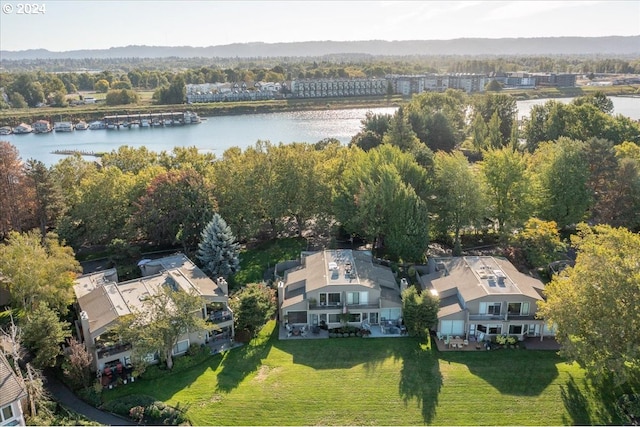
(22, 128)
(191, 118)
(41, 126)
(82, 125)
(97, 125)
(111, 125)
(63, 127)
(124, 124)
(167, 122)
(6, 130)
(144, 123)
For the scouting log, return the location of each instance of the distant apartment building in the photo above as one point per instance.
(321, 88)
(555, 80)
(221, 92)
(405, 85)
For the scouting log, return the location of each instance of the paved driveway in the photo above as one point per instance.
(60, 393)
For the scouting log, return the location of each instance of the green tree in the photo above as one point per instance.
(594, 303)
(163, 319)
(43, 332)
(459, 200)
(103, 208)
(253, 306)
(540, 242)
(102, 86)
(494, 137)
(218, 250)
(479, 132)
(175, 208)
(34, 272)
(382, 196)
(493, 86)
(122, 97)
(59, 99)
(129, 159)
(560, 172)
(506, 177)
(419, 311)
(48, 201)
(504, 105)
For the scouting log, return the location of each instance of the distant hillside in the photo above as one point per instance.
(610, 46)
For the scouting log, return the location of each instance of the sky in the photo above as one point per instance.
(62, 25)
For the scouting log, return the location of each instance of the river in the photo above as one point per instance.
(216, 134)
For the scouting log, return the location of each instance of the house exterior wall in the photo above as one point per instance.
(16, 418)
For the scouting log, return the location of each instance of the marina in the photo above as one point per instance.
(108, 122)
(216, 134)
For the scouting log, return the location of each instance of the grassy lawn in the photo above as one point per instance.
(254, 262)
(392, 381)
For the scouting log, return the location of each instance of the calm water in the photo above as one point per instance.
(217, 134)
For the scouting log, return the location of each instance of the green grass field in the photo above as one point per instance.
(389, 381)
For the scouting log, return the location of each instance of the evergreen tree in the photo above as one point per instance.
(218, 249)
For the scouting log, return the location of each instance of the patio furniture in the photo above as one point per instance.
(447, 340)
(465, 342)
(439, 335)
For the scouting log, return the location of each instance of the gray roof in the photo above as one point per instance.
(477, 277)
(11, 389)
(339, 269)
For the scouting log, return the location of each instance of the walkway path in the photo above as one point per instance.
(65, 397)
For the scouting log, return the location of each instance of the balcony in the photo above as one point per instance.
(220, 316)
(110, 350)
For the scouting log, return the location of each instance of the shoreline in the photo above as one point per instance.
(93, 112)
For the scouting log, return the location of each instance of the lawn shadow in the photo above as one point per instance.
(576, 404)
(591, 404)
(240, 362)
(167, 385)
(420, 378)
(511, 372)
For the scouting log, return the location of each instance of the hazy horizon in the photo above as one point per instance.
(66, 25)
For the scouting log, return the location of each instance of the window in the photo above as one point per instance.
(354, 317)
(334, 318)
(494, 308)
(353, 297)
(515, 329)
(329, 298)
(181, 347)
(495, 329)
(514, 308)
(7, 412)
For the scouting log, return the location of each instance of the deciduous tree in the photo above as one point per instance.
(43, 333)
(419, 311)
(595, 303)
(506, 177)
(35, 272)
(253, 306)
(175, 208)
(163, 319)
(460, 200)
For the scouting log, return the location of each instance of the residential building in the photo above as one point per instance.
(321, 88)
(12, 392)
(102, 300)
(325, 286)
(484, 296)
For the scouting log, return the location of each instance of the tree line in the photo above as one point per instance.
(24, 87)
(441, 166)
